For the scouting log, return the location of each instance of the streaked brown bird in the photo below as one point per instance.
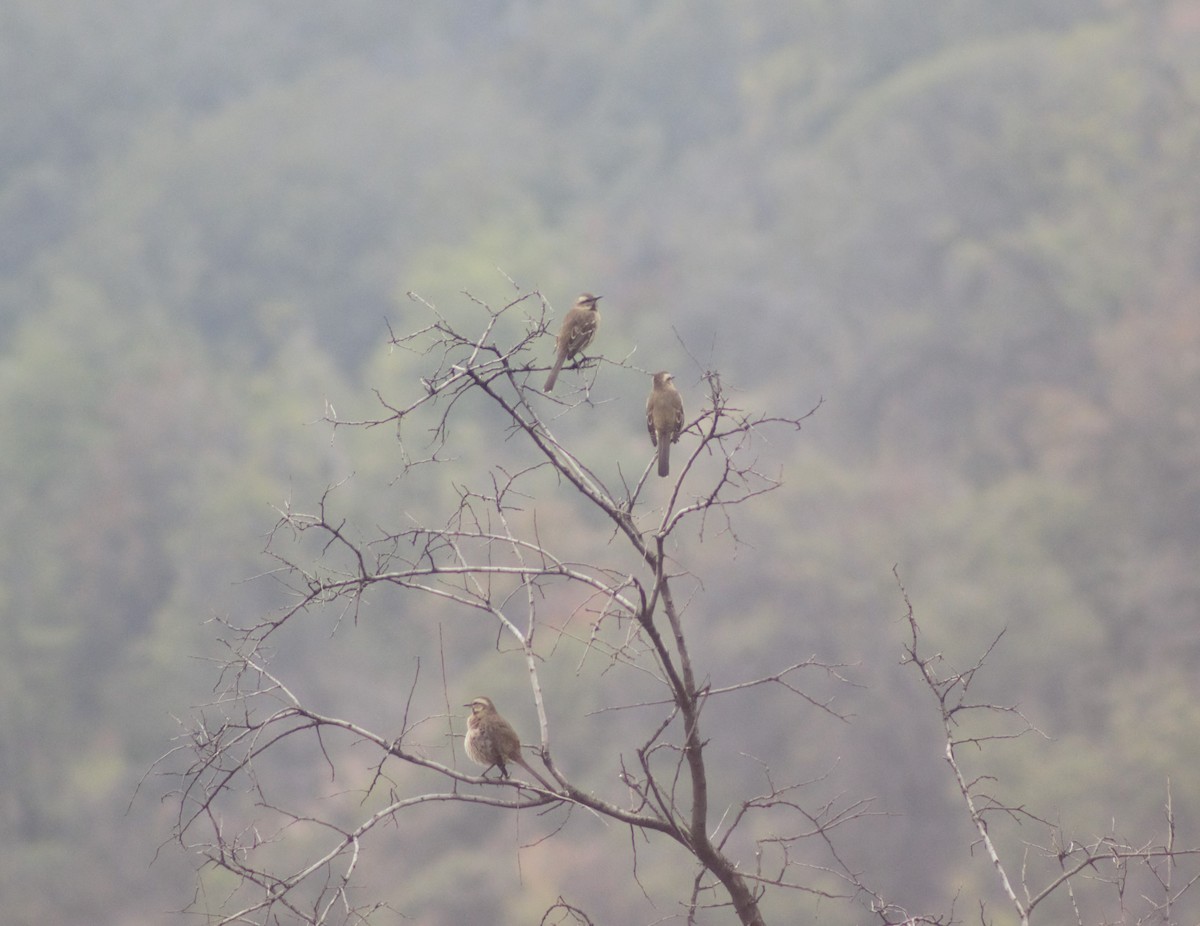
(664, 418)
(578, 328)
(492, 742)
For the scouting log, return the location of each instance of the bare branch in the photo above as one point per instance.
(1074, 860)
(478, 550)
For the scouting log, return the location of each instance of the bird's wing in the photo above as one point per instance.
(581, 332)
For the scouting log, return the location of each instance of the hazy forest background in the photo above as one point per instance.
(971, 227)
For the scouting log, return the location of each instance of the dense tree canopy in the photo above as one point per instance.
(970, 228)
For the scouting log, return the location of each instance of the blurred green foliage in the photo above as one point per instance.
(970, 227)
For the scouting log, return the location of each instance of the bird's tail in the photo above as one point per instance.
(664, 455)
(553, 377)
(534, 772)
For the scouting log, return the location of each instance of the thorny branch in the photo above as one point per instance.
(283, 800)
(488, 557)
(1131, 871)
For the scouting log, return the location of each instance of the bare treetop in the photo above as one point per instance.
(479, 549)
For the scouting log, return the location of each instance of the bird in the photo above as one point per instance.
(578, 328)
(492, 742)
(664, 418)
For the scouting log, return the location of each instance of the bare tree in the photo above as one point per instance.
(480, 543)
(1092, 879)
(492, 556)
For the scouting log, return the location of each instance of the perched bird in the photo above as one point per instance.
(664, 418)
(491, 740)
(578, 329)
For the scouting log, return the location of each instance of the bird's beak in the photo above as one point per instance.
(468, 704)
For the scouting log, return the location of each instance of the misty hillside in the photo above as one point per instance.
(967, 233)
